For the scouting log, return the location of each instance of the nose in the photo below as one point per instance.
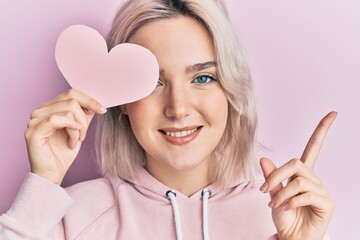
(178, 102)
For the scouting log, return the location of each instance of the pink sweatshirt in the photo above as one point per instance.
(112, 208)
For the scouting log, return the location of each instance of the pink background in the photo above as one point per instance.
(304, 57)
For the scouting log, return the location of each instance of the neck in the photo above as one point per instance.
(187, 182)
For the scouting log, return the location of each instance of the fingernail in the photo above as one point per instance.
(88, 111)
(271, 204)
(264, 187)
(102, 109)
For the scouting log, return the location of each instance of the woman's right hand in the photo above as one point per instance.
(55, 133)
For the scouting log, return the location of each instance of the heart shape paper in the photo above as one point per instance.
(126, 74)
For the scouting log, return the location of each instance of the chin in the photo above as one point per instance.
(186, 163)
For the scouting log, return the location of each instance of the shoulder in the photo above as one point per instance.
(252, 191)
(248, 207)
(255, 184)
(94, 202)
(93, 194)
(254, 204)
(249, 194)
(250, 186)
(88, 188)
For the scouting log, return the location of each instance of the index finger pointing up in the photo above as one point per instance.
(316, 140)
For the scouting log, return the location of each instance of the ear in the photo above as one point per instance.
(123, 109)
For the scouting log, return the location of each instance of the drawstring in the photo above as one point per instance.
(206, 194)
(172, 195)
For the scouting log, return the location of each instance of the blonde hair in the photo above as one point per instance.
(118, 151)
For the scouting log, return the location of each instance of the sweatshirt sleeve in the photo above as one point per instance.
(37, 211)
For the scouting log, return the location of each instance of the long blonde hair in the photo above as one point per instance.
(118, 151)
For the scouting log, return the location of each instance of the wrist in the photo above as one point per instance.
(51, 177)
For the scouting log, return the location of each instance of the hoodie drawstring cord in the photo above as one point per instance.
(206, 194)
(172, 195)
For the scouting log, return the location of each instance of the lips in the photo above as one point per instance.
(180, 136)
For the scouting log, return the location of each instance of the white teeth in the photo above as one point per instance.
(181, 134)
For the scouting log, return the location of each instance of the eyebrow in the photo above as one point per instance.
(200, 66)
(196, 67)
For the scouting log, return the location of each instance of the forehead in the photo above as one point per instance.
(182, 39)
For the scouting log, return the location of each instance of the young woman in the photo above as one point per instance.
(179, 163)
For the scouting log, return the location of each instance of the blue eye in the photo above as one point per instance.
(204, 79)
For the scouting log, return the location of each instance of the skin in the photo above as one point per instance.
(180, 101)
(301, 210)
(55, 132)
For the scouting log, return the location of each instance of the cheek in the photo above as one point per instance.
(142, 115)
(135, 111)
(138, 123)
(218, 107)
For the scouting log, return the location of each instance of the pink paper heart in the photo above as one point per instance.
(126, 74)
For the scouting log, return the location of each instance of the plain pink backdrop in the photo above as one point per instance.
(305, 61)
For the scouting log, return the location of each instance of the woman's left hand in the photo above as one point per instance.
(302, 209)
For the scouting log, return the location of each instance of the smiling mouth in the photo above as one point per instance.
(181, 136)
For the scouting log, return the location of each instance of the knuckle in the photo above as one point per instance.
(71, 93)
(51, 119)
(73, 104)
(27, 134)
(30, 123)
(44, 104)
(293, 202)
(300, 182)
(69, 114)
(296, 163)
(34, 114)
(310, 197)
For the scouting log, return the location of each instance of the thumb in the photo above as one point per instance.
(268, 167)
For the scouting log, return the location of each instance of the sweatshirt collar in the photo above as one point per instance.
(147, 185)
